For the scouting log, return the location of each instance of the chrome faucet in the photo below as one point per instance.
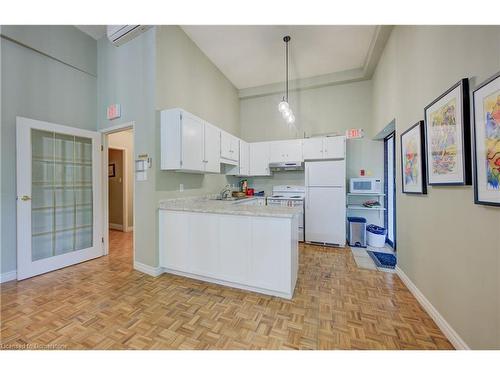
(224, 194)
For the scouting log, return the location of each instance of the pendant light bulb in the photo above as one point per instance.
(286, 113)
(290, 119)
(283, 106)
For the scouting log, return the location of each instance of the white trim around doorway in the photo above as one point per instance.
(105, 132)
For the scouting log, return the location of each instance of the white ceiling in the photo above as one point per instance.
(95, 31)
(252, 56)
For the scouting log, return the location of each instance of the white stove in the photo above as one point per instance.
(290, 196)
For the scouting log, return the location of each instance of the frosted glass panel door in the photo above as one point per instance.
(58, 196)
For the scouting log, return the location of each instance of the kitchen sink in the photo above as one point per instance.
(228, 199)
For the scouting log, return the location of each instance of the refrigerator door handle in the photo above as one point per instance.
(307, 189)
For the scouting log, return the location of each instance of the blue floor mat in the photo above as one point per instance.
(383, 260)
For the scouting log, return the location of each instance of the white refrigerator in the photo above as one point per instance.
(325, 202)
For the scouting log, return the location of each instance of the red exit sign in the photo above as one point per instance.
(354, 133)
(113, 111)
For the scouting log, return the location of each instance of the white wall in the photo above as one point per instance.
(125, 140)
(448, 246)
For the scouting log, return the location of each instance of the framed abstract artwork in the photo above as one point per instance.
(413, 160)
(486, 104)
(447, 137)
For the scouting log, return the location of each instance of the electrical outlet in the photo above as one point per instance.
(181, 187)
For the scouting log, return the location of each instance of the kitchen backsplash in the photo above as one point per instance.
(278, 178)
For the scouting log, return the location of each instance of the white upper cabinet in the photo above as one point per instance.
(188, 143)
(212, 149)
(286, 151)
(192, 143)
(259, 159)
(334, 147)
(229, 147)
(324, 148)
(244, 158)
(313, 148)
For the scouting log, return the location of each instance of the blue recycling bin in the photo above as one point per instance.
(357, 231)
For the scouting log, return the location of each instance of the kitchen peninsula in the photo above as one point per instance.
(234, 243)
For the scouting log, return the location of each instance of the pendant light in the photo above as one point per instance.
(284, 107)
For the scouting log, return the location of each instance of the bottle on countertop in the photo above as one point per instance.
(244, 186)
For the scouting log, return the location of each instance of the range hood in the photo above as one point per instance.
(287, 166)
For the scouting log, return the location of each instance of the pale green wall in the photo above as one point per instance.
(187, 79)
(126, 75)
(162, 69)
(39, 87)
(448, 246)
(328, 109)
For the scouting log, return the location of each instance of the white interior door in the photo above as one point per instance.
(58, 196)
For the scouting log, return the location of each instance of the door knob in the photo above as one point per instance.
(25, 198)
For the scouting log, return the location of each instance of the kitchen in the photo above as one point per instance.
(237, 238)
(252, 189)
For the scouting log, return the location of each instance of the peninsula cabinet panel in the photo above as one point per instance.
(174, 240)
(234, 247)
(203, 244)
(256, 253)
(270, 255)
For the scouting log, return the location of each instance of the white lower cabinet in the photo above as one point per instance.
(247, 252)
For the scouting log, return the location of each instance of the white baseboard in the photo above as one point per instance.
(152, 271)
(440, 321)
(115, 226)
(8, 276)
(129, 229)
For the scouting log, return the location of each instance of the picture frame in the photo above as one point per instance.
(111, 170)
(486, 114)
(413, 166)
(448, 137)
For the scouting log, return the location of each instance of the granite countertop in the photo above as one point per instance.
(208, 204)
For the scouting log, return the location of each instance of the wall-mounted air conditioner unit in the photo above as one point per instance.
(120, 34)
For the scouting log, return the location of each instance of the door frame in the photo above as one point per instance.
(23, 125)
(105, 186)
(125, 226)
(386, 186)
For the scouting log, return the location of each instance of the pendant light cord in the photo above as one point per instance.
(286, 39)
(286, 64)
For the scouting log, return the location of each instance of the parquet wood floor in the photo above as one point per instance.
(105, 304)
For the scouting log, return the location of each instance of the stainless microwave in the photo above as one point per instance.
(365, 185)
